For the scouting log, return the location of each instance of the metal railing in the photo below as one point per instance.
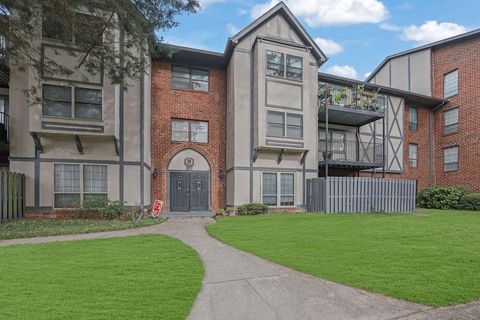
(353, 98)
(4, 127)
(351, 151)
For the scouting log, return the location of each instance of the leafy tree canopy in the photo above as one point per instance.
(92, 27)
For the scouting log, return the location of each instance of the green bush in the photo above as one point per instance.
(252, 209)
(101, 208)
(441, 198)
(471, 202)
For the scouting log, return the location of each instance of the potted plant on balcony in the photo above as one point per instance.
(341, 96)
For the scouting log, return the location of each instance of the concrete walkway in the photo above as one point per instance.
(238, 285)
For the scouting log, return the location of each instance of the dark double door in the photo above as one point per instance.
(189, 191)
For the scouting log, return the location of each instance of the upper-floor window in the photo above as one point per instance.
(189, 78)
(450, 84)
(413, 119)
(450, 159)
(71, 102)
(86, 28)
(186, 130)
(281, 124)
(412, 155)
(276, 66)
(451, 121)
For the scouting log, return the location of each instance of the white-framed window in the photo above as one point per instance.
(451, 121)
(293, 69)
(413, 119)
(412, 155)
(189, 130)
(278, 189)
(189, 78)
(71, 187)
(287, 125)
(450, 84)
(450, 159)
(72, 102)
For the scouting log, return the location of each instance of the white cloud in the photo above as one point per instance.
(366, 75)
(206, 3)
(431, 31)
(390, 27)
(330, 12)
(329, 47)
(232, 29)
(343, 71)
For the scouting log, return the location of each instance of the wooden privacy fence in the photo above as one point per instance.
(12, 195)
(352, 194)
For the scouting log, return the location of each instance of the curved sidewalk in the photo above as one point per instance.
(238, 285)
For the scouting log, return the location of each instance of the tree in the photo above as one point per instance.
(95, 28)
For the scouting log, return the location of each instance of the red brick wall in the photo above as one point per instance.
(464, 56)
(168, 103)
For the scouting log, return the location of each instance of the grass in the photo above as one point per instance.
(51, 227)
(432, 259)
(140, 277)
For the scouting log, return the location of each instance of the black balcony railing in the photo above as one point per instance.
(351, 151)
(4, 127)
(351, 97)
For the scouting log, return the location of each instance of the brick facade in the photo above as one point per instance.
(463, 56)
(168, 104)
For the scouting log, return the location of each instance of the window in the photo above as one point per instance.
(450, 159)
(186, 130)
(278, 189)
(278, 127)
(451, 121)
(276, 65)
(95, 182)
(57, 102)
(2, 110)
(450, 84)
(294, 67)
(67, 184)
(54, 27)
(189, 78)
(93, 24)
(413, 119)
(412, 155)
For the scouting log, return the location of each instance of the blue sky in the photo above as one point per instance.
(356, 34)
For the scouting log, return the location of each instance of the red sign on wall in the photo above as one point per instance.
(157, 208)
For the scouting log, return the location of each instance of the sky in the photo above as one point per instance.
(356, 35)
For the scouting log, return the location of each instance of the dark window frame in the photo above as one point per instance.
(189, 130)
(73, 102)
(190, 80)
(413, 125)
(285, 124)
(453, 127)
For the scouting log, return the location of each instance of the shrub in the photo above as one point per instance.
(471, 202)
(101, 208)
(252, 209)
(441, 198)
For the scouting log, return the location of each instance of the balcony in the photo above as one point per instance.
(3, 132)
(350, 154)
(352, 106)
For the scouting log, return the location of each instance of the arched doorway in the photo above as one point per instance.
(189, 182)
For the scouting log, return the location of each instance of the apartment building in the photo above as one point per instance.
(447, 70)
(86, 137)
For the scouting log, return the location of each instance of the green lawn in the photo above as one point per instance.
(49, 227)
(432, 259)
(140, 277)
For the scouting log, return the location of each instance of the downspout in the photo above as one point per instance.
(430, 138)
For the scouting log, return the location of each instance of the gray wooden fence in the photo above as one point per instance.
(12, 196)
(352, 194)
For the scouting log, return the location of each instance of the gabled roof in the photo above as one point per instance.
(459, 37)
(279, 8)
